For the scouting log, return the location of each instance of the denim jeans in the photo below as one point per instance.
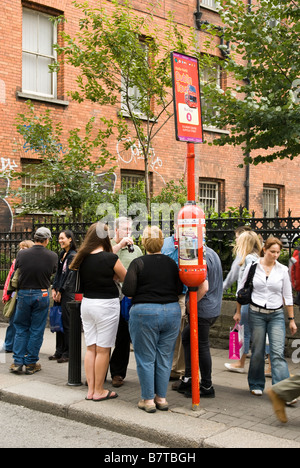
(274, 325)
(154, 329)
(245, 321)
(205, 361)
(30, 322)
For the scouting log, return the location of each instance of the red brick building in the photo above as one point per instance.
(24, 75)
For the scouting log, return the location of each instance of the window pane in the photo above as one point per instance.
(29, 73)
(44, 77)
(30, 36)
(45, 36)
(209, 3)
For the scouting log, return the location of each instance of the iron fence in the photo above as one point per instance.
(220, 233)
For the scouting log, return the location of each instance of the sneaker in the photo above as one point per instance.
(183, 385)
(16, 368)
(257, 392)
(207, 392)
(33, 368)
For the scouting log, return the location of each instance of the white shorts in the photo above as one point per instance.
(100, 319)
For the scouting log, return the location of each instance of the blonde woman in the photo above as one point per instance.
(248, 248)
(155, 316)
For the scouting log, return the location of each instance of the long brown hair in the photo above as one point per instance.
(97, 236)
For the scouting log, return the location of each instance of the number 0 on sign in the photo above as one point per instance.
(187, 102)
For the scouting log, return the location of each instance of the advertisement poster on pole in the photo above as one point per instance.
(187, 101)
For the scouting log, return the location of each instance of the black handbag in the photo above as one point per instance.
(244, 294)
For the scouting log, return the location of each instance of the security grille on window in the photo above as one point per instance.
(270, 202)
(131, 179)
(39, 35)
(32, 190)
(208, 196)
(209, 3)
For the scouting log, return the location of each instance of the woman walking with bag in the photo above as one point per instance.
(248, 249)
(271, 291)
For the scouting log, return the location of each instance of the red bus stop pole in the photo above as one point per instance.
(193, 294)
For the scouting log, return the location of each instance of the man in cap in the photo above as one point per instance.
(36, 266)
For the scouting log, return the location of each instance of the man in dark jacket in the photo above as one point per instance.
(210, 294)
(36, 266)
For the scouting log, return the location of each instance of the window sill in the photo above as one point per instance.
(35, 97)
(215, 130)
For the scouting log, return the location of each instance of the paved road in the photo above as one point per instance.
(24, 428)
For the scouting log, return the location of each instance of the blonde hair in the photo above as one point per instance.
(153, 239)
(247, 243)
(26, 244)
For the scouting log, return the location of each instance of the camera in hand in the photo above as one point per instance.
(130, 248)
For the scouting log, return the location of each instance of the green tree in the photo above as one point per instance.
(65, 179)
(261, 108)
(124, 61)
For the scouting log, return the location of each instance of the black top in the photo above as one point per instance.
(36, 265)
(60, 281)
(152, 279)
(96, 276)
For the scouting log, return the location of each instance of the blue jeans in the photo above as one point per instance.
(245, 321)
(30, 322)
(154, 329)
(260, 325)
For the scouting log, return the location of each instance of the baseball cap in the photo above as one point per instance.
(43, 233)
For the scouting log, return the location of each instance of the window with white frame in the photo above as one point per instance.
(39, 35)
(209, 3)
(270, 201)
(132, 93)
(212, 76)
(209, 196)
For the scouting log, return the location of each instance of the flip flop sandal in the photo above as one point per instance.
(109, 396)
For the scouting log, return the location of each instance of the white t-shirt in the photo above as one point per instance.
(273, 291)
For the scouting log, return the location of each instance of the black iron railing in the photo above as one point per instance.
(220, 233)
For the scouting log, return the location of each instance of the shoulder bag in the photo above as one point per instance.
(244, 294)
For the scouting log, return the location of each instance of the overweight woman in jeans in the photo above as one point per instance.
(272, 291)
(154, 285)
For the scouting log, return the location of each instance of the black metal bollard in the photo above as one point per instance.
(74, 377)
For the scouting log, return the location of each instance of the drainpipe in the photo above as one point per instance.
(198, 16)
(247, 173)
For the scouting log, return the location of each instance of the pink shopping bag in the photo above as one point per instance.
(236, 342)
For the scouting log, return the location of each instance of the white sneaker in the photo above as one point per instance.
(257, 392)
(291, 403)
(232, 368)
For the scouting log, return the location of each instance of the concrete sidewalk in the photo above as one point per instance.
(234, 418)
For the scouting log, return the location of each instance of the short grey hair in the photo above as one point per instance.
(122, 220)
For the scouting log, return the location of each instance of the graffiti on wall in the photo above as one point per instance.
(135, 153)
(6, 216)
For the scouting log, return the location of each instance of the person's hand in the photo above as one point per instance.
(293, 327)
(125, 241)
(58, 297)
(237, 317)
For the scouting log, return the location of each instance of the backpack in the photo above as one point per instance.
(295, 269)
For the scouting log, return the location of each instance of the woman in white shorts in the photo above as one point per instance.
(98, 267)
